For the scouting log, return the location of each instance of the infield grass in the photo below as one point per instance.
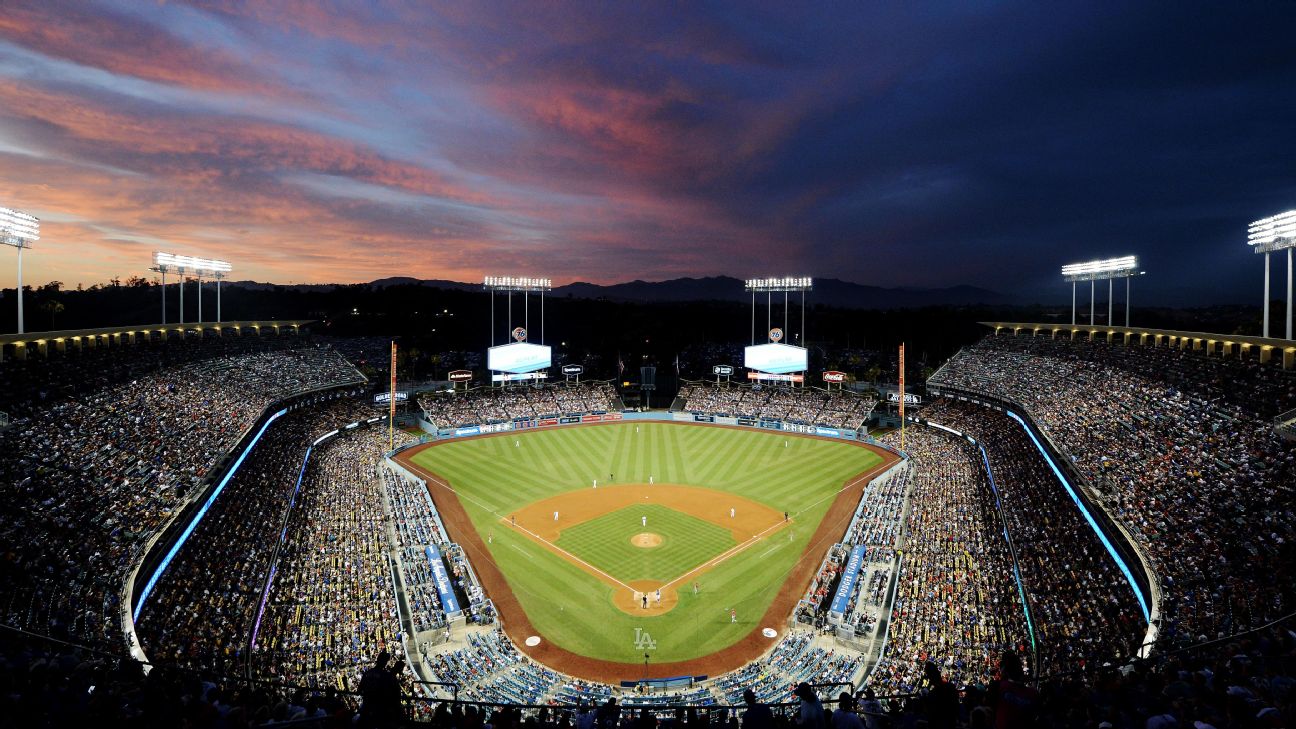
(572, 608)
(686, 542)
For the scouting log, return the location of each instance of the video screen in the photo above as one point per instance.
(518, 357)
(775, 358)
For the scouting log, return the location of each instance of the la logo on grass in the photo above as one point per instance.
(644, 641)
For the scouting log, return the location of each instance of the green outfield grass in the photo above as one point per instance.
(686, 543)
(574, 609)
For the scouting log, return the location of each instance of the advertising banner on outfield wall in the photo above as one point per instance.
(682, 417)
(546, 422)
(850, 576)
(704, 418)
(725, 420)
(566, 419)
(472, 430)
(611, 416)
(748, 422)
(591, 418)
(771, 424)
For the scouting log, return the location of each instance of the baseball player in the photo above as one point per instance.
(555, 516)
(733, 615)
(643, 520)
(657, 596)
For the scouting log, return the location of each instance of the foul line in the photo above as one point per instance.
(550, 545)
(713, 562)
(738, 549)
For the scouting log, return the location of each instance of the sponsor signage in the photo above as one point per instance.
(591, 418)
(573, 369)
(517, 376)
(545, 422)
(470, 430)
(460, 375)
(445, 590)
(850, 576)
(747, 422)
(612, 416)
(771, 424)
(703, 419)
(834, 376)
(827, 431)
(909, 398)
(767, 376)
(722, 370)
(569, 419)
(725, 420)
(383, 398)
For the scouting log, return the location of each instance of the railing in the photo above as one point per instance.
(1285, 425)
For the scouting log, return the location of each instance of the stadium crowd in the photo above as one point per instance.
(1084, 610)
(331, 608)
(494, 405)
(92, 470)
(201, 611)
(806, 406)
(1181, 449)
(956, 603)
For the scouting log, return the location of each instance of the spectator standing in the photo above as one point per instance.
(845, 717)
(811, 715)
(757, 715)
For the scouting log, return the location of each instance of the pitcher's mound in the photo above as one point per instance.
(646, 540)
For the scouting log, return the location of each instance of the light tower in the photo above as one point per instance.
(770, 286)
(1275, 233)
(520, 360)
(18, 229)
(1108, 269)
(164, 263)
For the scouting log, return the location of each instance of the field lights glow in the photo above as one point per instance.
(786, 283)
(518, 283)
(1113, 266)
(1273, 233)
(18, 225)
(189, 263)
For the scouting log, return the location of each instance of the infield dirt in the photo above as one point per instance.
(517, 626)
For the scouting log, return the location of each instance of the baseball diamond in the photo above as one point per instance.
(714, 514)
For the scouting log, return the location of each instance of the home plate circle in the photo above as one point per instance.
(534, 641)
(767, 632)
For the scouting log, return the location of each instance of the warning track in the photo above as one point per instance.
(517, 626)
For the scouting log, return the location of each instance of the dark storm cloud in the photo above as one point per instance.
(927, 144)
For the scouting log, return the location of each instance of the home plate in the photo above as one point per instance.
(767, 632)
(534, 640)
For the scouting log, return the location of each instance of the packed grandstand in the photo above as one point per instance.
(264, 593)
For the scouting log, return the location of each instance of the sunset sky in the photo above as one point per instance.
(898, 144)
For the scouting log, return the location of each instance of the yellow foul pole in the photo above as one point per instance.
(902, 397)
(391, 413)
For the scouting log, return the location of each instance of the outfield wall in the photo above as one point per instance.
(606, 417)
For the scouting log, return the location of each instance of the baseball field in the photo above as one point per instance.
(679, 541)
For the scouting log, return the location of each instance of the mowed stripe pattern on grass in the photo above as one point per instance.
(495, 476)
(605, 542)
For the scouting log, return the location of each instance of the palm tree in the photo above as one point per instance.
(54, 307)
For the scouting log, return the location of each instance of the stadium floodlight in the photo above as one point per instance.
(1103, 269)
(525, 285)
(18, 229)
(785, 284)
(185, 265)
(1275, 233)
(770, 285)
(517, 283)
